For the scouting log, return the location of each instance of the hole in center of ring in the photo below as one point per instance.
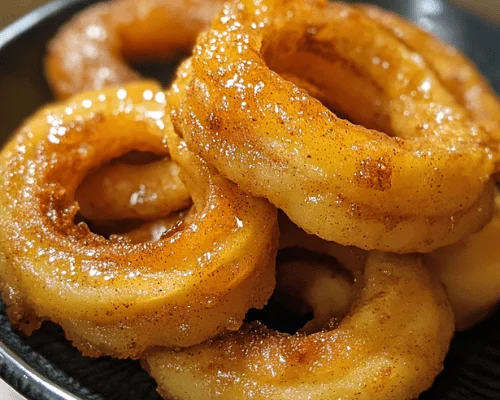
(161, 70)
(138, 196)
(313, 293)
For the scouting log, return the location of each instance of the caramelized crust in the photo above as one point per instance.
(115, 297)
(391, 345)
(424, 189)
(92, 50)
(455, 71)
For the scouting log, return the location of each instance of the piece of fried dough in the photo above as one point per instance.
(124, 191)
(456, 72)
(92, 50)
(114, 297)
(422, 190)
(391, 345)
(470, 271)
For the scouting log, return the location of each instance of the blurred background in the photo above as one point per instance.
(10, 10)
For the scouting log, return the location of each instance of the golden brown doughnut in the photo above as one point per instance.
(115, 297)
(92, 50)
(422, 190)
(391, 345)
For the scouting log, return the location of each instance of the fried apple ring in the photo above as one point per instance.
(114, 297)
(470, 271)
(291, 236)
(390, 346)
(124, 191)
(455, 71)
(423, 190)
(91, 51)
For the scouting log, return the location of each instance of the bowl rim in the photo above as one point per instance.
(18, 371)
(29, 21)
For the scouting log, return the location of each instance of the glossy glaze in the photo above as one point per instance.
(92, 50)
(391, 345)
(455, 71)
(114, 297)
(424, 189)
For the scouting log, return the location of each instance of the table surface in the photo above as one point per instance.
(10, 10)
(7, 393)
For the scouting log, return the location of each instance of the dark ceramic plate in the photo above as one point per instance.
(45, 366)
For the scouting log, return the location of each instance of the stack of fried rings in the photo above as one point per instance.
(191, 275)
(91, 52)
(419, 191)
(472, 93)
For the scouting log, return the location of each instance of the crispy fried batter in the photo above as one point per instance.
(153, 231)
(470, 271)
(422, 190)
(124, 191)
(390, 346)
(91, 51)
(455, 71)
(115, 297)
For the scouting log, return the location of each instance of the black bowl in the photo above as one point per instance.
(45, 366)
